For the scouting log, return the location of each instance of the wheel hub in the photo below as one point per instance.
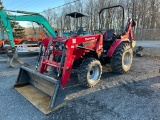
(94, 73)
(127, 59)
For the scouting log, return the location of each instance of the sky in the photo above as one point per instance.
(31, 6)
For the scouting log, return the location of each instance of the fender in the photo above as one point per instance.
(115, 45)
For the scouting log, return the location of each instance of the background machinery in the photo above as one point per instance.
(84, 53)
(5, 23)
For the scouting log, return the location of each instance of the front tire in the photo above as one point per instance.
(121, 60)
(89, 72)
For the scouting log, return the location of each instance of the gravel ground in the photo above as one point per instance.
(131, 96)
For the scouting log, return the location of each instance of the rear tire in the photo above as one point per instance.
(121, 60)
(89, 72)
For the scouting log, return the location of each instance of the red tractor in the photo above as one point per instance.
(85, 53)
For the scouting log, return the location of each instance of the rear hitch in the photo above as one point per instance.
(136, 52)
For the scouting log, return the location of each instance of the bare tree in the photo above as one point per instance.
(146, 13)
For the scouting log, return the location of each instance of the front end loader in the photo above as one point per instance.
(44, 92)
(45, 87)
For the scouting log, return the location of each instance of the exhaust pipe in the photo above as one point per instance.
(44, 92)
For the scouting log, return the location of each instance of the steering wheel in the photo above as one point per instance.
(99, 31)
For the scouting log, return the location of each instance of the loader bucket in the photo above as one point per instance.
(44, 92)
(13, 59)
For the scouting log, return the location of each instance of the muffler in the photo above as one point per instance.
(44, 92)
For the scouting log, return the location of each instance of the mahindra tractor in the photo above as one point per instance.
(83, 53)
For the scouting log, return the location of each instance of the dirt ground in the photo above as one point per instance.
(131, 96)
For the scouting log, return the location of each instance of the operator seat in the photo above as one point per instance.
(80, 31)
(108, 35)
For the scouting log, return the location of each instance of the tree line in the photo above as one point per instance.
(146, 14)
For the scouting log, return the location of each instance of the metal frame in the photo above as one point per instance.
(72, 52)
(123, 16)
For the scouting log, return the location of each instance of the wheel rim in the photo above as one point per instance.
(127, 59)
(94, 73)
